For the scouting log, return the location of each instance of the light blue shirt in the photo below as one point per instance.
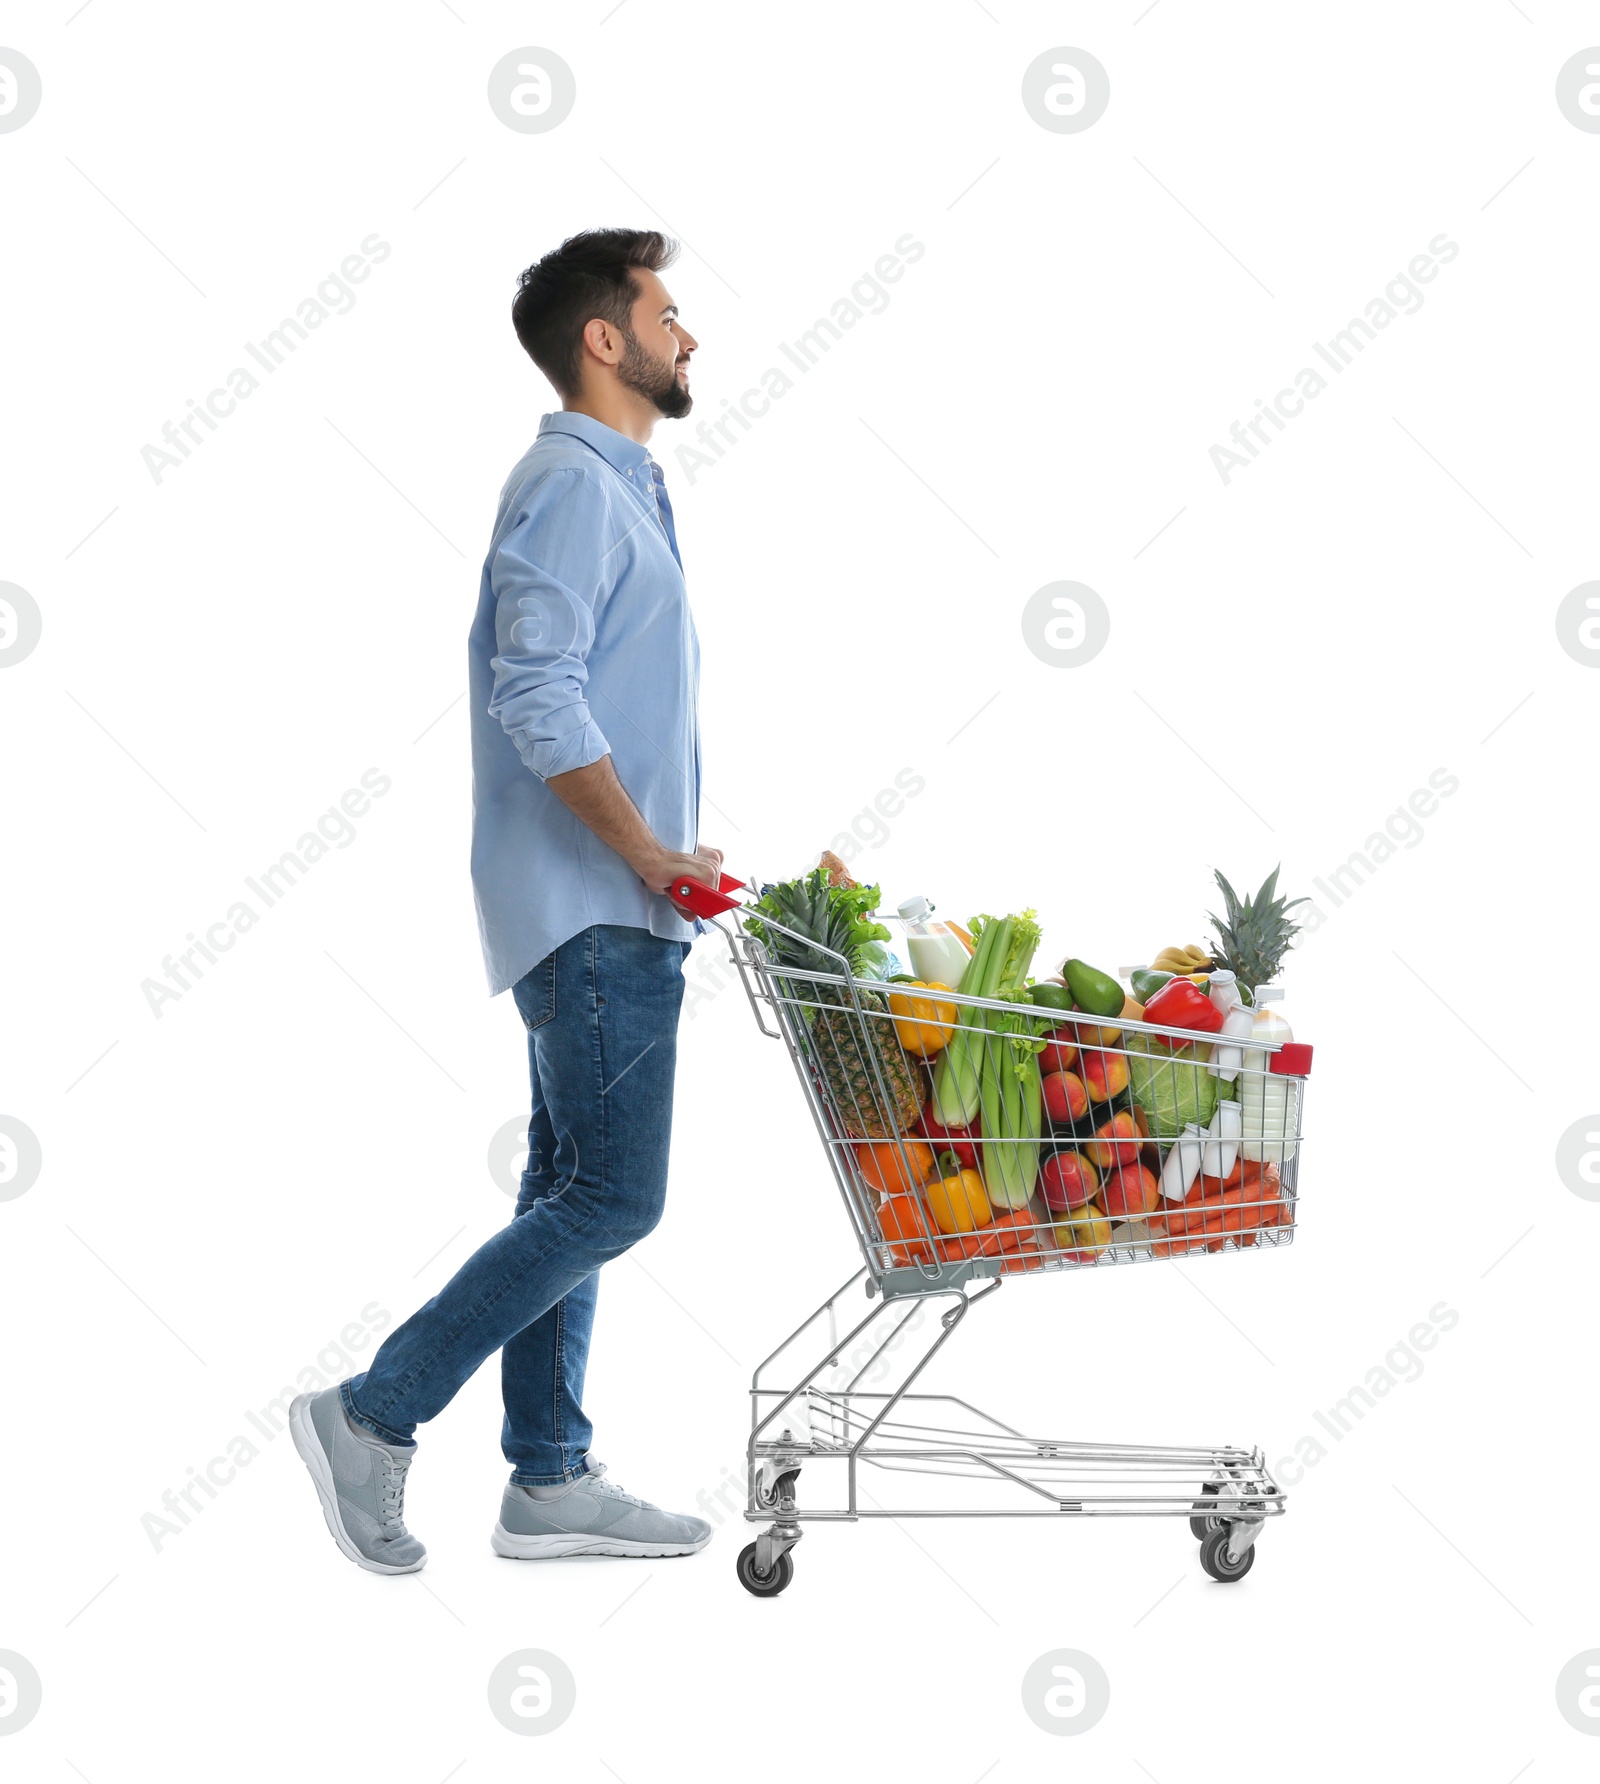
(583, 647)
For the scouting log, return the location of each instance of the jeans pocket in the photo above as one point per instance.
(535, 994)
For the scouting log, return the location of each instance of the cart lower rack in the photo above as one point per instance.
(1162, 1143)
(1226, 1494)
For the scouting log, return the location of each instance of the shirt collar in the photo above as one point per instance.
(621, 453)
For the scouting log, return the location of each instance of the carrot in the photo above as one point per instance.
(1245, 1209)
(1245, 1171)
(1010, 1234)
(1220, 1208)
(1190, 1216)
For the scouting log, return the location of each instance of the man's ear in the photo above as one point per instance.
(602, 340)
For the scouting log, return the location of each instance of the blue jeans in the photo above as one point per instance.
(602, 1020)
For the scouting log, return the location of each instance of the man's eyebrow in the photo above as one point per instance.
(670, 310)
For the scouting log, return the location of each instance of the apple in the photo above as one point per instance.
(1105, 1075)
(1130, 1192)
(1068, 1180)
(1116, 1142)
(1065, 1098)
(1060, 1050)
(1093, 1035)
(1083, 1234)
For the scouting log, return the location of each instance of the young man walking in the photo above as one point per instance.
(586, 782)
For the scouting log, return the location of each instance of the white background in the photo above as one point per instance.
(306, 1131)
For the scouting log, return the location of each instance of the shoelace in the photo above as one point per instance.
(392, 1496)
(610, 1488)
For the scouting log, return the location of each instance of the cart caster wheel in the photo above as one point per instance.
(1201, 1527)
(1214, 1558)
(764, 1585)
(768, 1501)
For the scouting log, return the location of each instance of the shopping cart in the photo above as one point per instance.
(847, 1038)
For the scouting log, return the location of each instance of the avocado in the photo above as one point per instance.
(1093, 990)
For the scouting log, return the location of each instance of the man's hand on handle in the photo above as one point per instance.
(705, 864)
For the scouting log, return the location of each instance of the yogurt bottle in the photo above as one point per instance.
(938, 954)
(1182, 1163)
(1222, 1139)
(1222, 987)
(1227, 1056)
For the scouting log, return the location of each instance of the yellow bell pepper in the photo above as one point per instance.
(957, 1199)
(924, 1024)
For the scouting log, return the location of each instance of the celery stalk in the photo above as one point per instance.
(1013, 1119)
(1010, 1094)
(956, 1093)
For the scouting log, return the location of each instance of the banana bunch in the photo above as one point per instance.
(1182, 960)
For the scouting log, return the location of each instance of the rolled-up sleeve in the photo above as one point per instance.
(546, 591)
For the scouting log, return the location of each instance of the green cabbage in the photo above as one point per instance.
(1171, 1083)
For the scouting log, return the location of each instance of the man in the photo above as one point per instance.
(586, 781)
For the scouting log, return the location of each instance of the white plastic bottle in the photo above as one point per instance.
(1222, 987)
(1267, 1102)
(1227, 1056)
(1222, 1139)
(1182, 1163)
(938, 954)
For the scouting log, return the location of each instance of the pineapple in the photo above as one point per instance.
(852, 1062)
(847, 1060)
(1257, 934)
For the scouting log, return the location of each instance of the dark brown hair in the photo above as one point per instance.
(589, 275)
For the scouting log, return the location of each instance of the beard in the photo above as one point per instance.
(639, 372)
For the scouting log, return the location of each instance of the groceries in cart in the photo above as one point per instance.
(985, 1121)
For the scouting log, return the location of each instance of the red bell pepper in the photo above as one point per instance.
(958, 1140)
(1180, 1003)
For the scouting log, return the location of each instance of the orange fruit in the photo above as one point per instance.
(896, 1167)
(906, 1227)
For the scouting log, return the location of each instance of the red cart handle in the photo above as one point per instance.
(1292, 1060)
(704, 900)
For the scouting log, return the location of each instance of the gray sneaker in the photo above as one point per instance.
(591, 1517)
(361, 1482)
